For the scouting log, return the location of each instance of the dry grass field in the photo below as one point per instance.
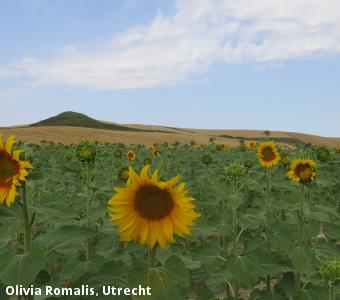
(72, 127)
(156, 134)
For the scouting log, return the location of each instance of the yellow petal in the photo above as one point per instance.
(11, 196)
(9, 143)
(168, 229)
(151, 241)
(3, 193)
(128, 223)
(25, 164)
(16, 155)
(171, 182)
(154, 177)
(135, 179)
(180, 187)
(144, 230)
(144, 172)
(1, 143)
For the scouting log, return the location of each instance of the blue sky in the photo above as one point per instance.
(187, 63)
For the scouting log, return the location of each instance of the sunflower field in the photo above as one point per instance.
(259, 221)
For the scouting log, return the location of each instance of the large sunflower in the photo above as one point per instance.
(302, 170)
(12, 171)
(151, 211)
(268, 154)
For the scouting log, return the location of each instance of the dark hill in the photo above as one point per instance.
(70, 118)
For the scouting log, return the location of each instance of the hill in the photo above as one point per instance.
(74, 119)
(70, 127)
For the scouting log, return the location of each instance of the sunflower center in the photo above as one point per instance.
(153, 203)
(304, 172)
(268, 154)
(8, 166)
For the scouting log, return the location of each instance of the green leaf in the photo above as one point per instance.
(161, 282)
(264, 295)
(243, 269)
(314, 293)
(22, 269)
(209, 254)
(301, 259)
(288, 284)
(269, 263)
(178, 270)
(65, 239)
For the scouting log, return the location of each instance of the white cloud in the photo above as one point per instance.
(201, 33)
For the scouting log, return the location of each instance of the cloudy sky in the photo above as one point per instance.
(265, 64)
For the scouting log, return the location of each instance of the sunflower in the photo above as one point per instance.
(123, 174)
(151, 211)
(155, 152)
(302, 170)
(268, 154)
(250, 144)
(131, 155)
(222, 147)
(286, 161)
(12, 171)
(206, 159)
(117, 153)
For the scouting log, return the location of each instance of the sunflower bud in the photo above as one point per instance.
(323, 153)
(117, 153)
(123, 174)
(86, 152)
(206, 159)
(248, 164)
(330, 270)
(234, 170)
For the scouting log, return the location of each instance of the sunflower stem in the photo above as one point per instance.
(223, 224)
(89, 244)
(26, 219)
(235, 232)
(332, 292)
(152, 256)
(300, 233)
(268, 225)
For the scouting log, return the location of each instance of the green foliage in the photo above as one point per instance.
(226, 251)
